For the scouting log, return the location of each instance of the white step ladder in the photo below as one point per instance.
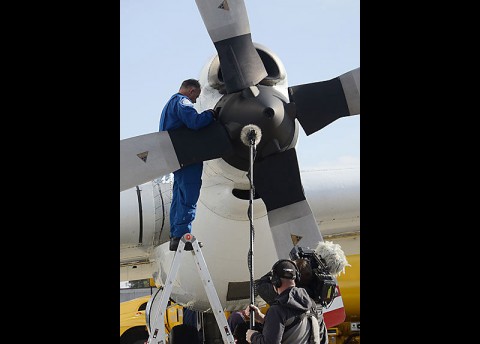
(158, 309)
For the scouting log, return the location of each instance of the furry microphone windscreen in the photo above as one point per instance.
(250, 129)
(333, 256)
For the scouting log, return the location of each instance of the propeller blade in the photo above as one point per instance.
(146, 157)
(277, 182)
(320, 103)
(228, 27)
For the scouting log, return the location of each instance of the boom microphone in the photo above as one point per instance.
(250, 134)
(333, 256)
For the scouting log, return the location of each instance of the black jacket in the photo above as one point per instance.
(264, 289)
(289, 304)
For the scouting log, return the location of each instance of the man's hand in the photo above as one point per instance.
(248, 336)
(259, 316)
(214, 114)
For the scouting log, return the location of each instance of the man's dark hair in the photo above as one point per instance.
(190, 83)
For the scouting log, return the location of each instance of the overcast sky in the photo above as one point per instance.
(164, 42)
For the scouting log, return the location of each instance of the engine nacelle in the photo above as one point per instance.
(144, 224)
(265, 105)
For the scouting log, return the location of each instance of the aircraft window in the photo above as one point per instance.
(142, 307)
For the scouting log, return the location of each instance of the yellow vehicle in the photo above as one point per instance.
(133, 328)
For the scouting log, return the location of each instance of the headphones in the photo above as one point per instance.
(276, 279)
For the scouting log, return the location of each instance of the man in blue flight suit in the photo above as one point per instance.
(180, 112)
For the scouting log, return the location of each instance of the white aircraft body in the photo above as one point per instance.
(223, 226)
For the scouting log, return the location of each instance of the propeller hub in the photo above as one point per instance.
(264, 107)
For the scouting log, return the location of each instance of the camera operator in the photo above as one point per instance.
(266, 291)
(290, 319)
(316, 269)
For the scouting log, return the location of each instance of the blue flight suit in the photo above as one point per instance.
(187, 181)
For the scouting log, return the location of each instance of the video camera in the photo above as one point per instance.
(323, 285)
